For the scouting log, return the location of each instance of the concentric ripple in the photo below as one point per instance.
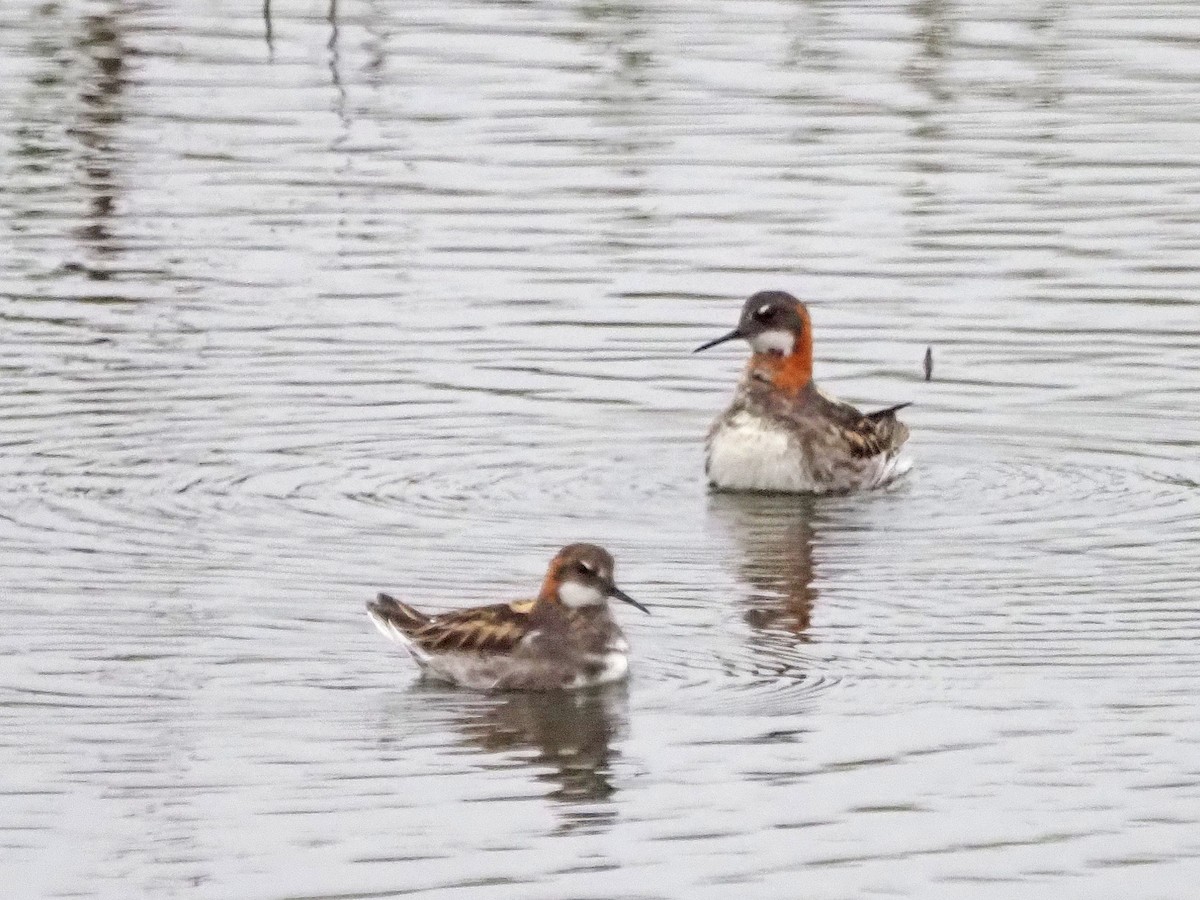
(304, 301)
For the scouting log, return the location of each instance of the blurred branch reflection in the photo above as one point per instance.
(102, 49)
(268, 29)
(65, 174)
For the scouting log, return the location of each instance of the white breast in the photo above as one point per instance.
(749, 453)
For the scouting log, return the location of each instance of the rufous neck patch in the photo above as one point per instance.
(788, 373)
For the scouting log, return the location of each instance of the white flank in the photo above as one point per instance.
(472, 670)
(885, 468)
(616, 667)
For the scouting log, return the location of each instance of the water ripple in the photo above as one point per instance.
(299, 304)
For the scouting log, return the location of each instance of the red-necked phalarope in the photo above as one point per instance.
(566, 638)
(781, 433)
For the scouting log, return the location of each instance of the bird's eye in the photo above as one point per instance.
(585, 569)
(764, 312)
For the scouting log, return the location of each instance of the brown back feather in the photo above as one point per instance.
(484, 629)
(866, 435)
(869, 438)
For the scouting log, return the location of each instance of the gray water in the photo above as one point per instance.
(301, 301)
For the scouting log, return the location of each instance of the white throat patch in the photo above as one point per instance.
(774, 341)
(575, 595)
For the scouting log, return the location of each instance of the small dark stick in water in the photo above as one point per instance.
(928, 363)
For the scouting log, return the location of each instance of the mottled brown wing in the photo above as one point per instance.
(869, 437)
(484, 629)
(868, 434)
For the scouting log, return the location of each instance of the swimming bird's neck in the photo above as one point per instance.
(791, 373)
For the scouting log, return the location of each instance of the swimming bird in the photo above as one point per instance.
(565, 638)
(782, 433)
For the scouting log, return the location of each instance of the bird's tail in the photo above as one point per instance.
(891, 430)
(394, 619)
(891, 411)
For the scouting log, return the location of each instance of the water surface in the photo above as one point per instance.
(343, 297)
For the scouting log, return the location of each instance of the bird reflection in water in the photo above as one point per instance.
(775, 536)
(571, 736)
(565, 740)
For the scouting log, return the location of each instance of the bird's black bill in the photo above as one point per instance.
(621, 595)
(732, 336)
